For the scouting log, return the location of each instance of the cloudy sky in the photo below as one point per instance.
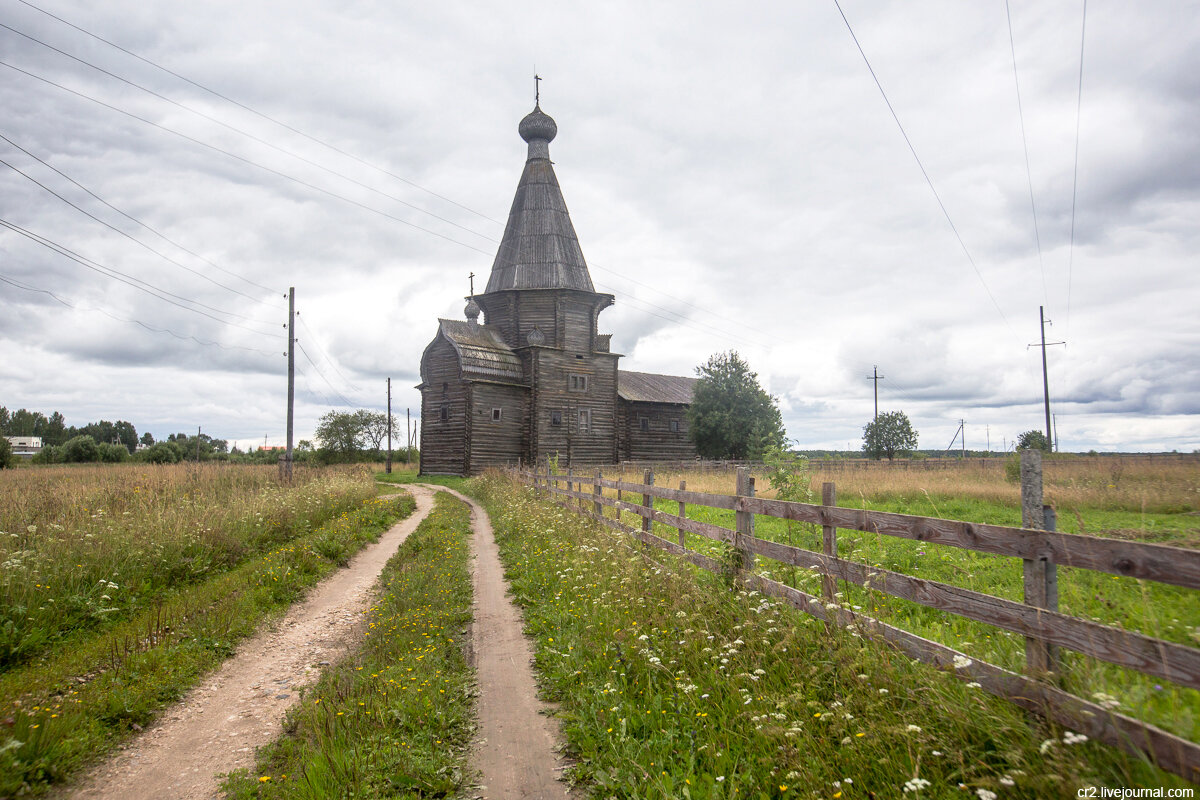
(736, 177)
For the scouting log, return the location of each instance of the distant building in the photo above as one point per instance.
(536, 379)
(25, 446)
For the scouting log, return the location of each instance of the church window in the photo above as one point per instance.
(674, 426)
(577, 383)
(445, 389)
(444, 413)
(556, 418)
(644, 423)
(585, 420)
(496, 414)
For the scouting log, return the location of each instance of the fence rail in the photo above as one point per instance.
(1037, 619)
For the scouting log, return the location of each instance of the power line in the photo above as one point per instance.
(137, 242)
(242, 159)
(928, 180)
(322, 374)
(307, 136)
(183, 337)
(257, 113)
(1025, 144)
(121, 277)
(241, 132)
(1075, 172)
(333, 172)
(137, 221)
(324, 354)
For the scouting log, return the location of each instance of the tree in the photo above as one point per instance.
(6, 454)
(147, 438)
(340, 434)
(889, 434)
(1033, 440)
(374, 427)
(731, 416)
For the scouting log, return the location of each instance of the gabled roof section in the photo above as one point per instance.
(539, 249)
(647, 387)
(481, 351)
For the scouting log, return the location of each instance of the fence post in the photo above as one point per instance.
(744, 519)
(647, 501)
(828, 540)
(599, 509)
(682, 512)
(1040, 573)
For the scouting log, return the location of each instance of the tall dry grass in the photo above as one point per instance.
(81, 546)
(1107, 483)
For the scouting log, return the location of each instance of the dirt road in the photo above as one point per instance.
(241, 706)
(217, 726)
(515, 744)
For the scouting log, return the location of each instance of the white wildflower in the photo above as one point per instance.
(915, 785)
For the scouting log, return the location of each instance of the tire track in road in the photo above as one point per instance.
(515, 745)
(218, 724)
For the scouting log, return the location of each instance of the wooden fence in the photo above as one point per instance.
(1037, 619)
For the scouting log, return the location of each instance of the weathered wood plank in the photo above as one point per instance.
(1169, 751)
(1169, 660)
(724, 501)
(1174, 565)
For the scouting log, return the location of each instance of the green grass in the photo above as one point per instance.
(66, 710)
(400, 476)
(394, 719)
(673, 684)
(1167, 612)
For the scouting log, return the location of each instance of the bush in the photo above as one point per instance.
(49, 454)
(113, 453)
(6, 456)
(160, 453)
(81, 449)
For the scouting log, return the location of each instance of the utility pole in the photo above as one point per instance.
(197, 445)
(876, 377)
(1045, 375)
(408, 447)
(291, 399)
(962, 425)
(389, 458)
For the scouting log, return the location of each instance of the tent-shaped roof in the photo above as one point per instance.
(539, 249)
(647, 387)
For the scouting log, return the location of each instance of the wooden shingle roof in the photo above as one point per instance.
(481, 351)
(647, 387)
(539, 249)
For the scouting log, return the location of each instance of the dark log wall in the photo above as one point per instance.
(443, 442)
(497, 442)
(554, 394)
(658, 441)
(576, 321)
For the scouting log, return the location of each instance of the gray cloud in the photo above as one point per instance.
(740, 170)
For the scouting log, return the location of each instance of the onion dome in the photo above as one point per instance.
(538, 126)
(472, 310)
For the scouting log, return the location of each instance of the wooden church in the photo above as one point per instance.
(535, 378)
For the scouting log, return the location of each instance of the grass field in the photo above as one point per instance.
(1152, 502)
(672, 683)
(122, 585)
